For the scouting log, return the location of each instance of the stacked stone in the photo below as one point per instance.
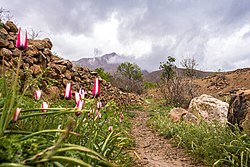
(39, 62)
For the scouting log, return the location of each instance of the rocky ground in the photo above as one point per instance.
(224, 83)
(152, 150)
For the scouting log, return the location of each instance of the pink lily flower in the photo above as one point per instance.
(82, 93)
(44, 106)
(68, 91)
(79, 105)
(99, 105)
(22, 40)
(99, 116)
(38, 94)
(97, 88)
(96, 112)
(16, 114)
(121, 116)
(77, 97)
(110, 128)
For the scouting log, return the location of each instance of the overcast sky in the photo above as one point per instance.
(215, 32)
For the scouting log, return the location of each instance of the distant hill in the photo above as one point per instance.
(109, 62)
(155, 76)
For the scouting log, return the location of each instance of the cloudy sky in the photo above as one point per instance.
(215, 32)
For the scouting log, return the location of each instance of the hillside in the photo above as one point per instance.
(155, 76)
(224, 83)
(220, 85)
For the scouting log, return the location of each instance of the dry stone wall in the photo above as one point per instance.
(39, 62)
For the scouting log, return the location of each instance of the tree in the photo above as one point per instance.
(168, 68)
(177, 91)
(35, 34)
(128, 78)
(189, 63)
(5, 15)
(130, 71)
(104, 75)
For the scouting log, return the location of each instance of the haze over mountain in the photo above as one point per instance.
(109, 62)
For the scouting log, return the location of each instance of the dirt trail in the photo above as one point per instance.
(153, 150)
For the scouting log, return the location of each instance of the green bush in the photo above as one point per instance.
(104, 75)
(149, 85)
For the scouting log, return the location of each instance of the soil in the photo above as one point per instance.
(152, 150)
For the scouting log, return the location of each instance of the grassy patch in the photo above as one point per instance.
(213, 145)
(63, 135)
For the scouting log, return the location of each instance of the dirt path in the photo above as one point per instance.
(153, 150)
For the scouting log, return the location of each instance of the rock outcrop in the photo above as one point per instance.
(208, 108)
(239, 110)
(50, 72)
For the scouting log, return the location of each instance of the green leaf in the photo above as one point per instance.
(67, 160)
(12, 165)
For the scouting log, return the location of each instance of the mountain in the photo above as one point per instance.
(109, 62)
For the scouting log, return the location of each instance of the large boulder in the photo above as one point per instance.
(206, 107)
(239, 110)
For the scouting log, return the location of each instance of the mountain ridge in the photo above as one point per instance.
(106, 61)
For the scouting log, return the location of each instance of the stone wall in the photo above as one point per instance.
(40, 63)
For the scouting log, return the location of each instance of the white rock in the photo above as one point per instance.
(208, 108)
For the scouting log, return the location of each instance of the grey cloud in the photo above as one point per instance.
(237, 12)
(190, 23)
(151, 61)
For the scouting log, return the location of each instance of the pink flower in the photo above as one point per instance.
(115, 113)
(79, 105)
(82, 93)
(97, 88)
(121, 116)
(44, 106)
(110, 128)
(99, 105)
(16, 114)
(99, 116)
(68, 91)
(77, 97)
(22, 40)
(96, 112)
(38, 94)
(120, 120)
(78, 113)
